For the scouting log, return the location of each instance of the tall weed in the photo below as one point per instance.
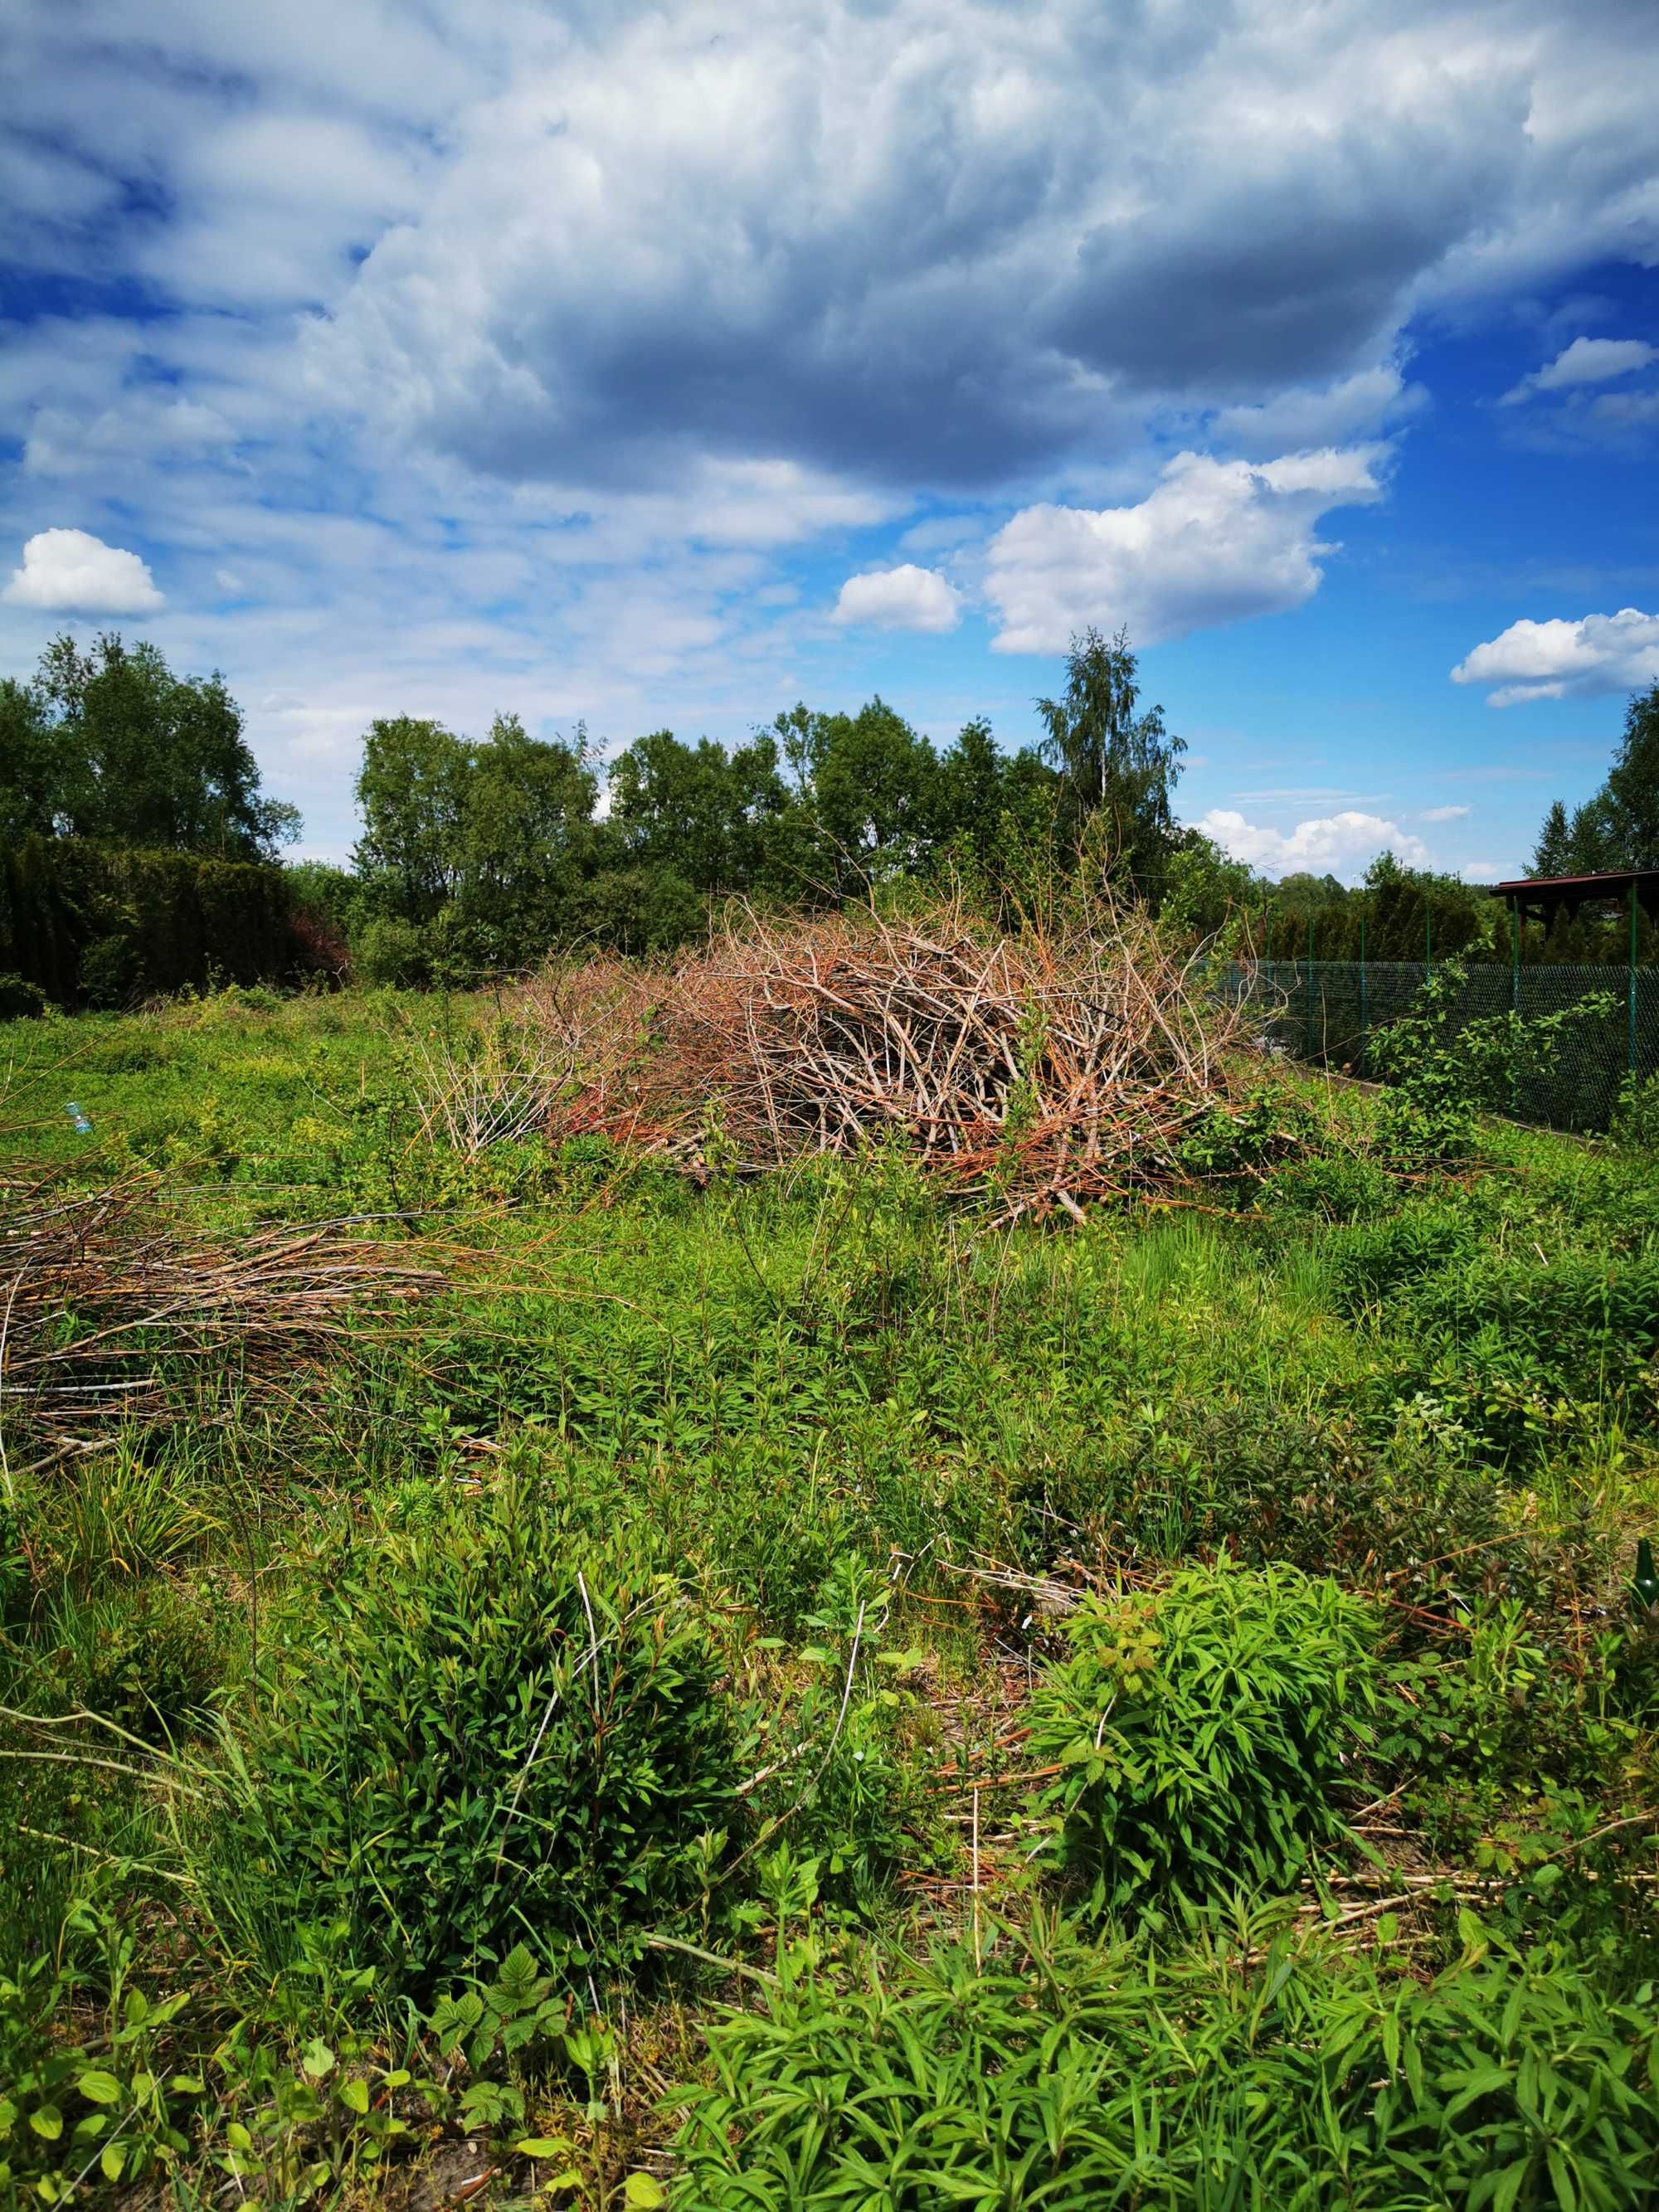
(1201, 1732)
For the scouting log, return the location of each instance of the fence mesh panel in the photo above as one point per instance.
(1328, 1010)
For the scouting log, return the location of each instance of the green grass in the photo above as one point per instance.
(866, 1444)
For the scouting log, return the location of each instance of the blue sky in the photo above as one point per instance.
(662, 366)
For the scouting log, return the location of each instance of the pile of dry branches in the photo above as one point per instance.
(103, 1293)
(1052, 1068)
(565, 1051)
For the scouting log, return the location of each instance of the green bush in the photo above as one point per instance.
(1484, 1722)
(850, 1785)
(19, 999)
(103, 923)
(1329, 1187)
(392, 952)
(1045, 2072)
(1200, 1730)
(108, 973)
(1442, 1071)
(481, 1732)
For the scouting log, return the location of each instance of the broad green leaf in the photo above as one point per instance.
(98, 2087)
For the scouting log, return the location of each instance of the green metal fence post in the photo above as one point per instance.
(1307, 1016)
(1515, 1003)
(1630, 991)
(1428, 941)
(1365, 1024)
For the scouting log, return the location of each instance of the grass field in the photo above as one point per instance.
(776, 1692)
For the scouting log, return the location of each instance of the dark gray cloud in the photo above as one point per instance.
(950, 242)
(930, 241)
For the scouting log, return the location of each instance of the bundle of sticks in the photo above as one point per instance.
(1053, 1068)
(103, 1293)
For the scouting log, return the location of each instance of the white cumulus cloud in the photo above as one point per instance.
(1561, 660)
(71, 571)
(1357, 406)
(1213, 542)
(1336, 844)
(1586, 361)
(1443, 814)
(905, 598)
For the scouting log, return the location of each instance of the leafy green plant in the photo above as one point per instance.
(19, 999)
(1443, 1072)
(1262, 2072)
(487, 1729)
(78, 2107)
(849, 1777)
(147, 1659)
(1635, 1126)
(1329, 1187)
(1271, 1125)
(1200, 1730)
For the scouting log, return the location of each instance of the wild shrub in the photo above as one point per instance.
(1200, 1730)
(1371, 1262)
(1493, 1716)
(1042, 2071)
(485, 1729)
(1311, 1491)
(1518, 1354)
(1270, 1125)
(1443, 1072)
(19, 999)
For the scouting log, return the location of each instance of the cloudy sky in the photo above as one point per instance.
(664, 366)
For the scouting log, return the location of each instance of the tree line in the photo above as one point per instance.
(481, 854)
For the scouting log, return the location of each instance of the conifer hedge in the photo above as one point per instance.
(101, 925)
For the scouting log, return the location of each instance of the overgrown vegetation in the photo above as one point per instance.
(576, 1645)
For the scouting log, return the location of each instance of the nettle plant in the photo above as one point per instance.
(1200, 1730)
(486, 1729)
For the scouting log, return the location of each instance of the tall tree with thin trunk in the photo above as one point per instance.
(1115, 762)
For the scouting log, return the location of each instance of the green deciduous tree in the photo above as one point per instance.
(31, 794)
(134, 755)
(411, 787)
(876, 794)
(483, 847)
(1116, 762)
(1633, 785)
(1619, 826)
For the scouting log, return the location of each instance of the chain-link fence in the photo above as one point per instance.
(1329, 1011)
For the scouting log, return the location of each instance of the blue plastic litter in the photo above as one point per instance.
(78, 1120)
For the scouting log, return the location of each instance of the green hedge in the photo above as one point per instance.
(102, 925)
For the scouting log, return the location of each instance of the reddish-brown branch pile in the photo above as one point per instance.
(1053, 1068)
